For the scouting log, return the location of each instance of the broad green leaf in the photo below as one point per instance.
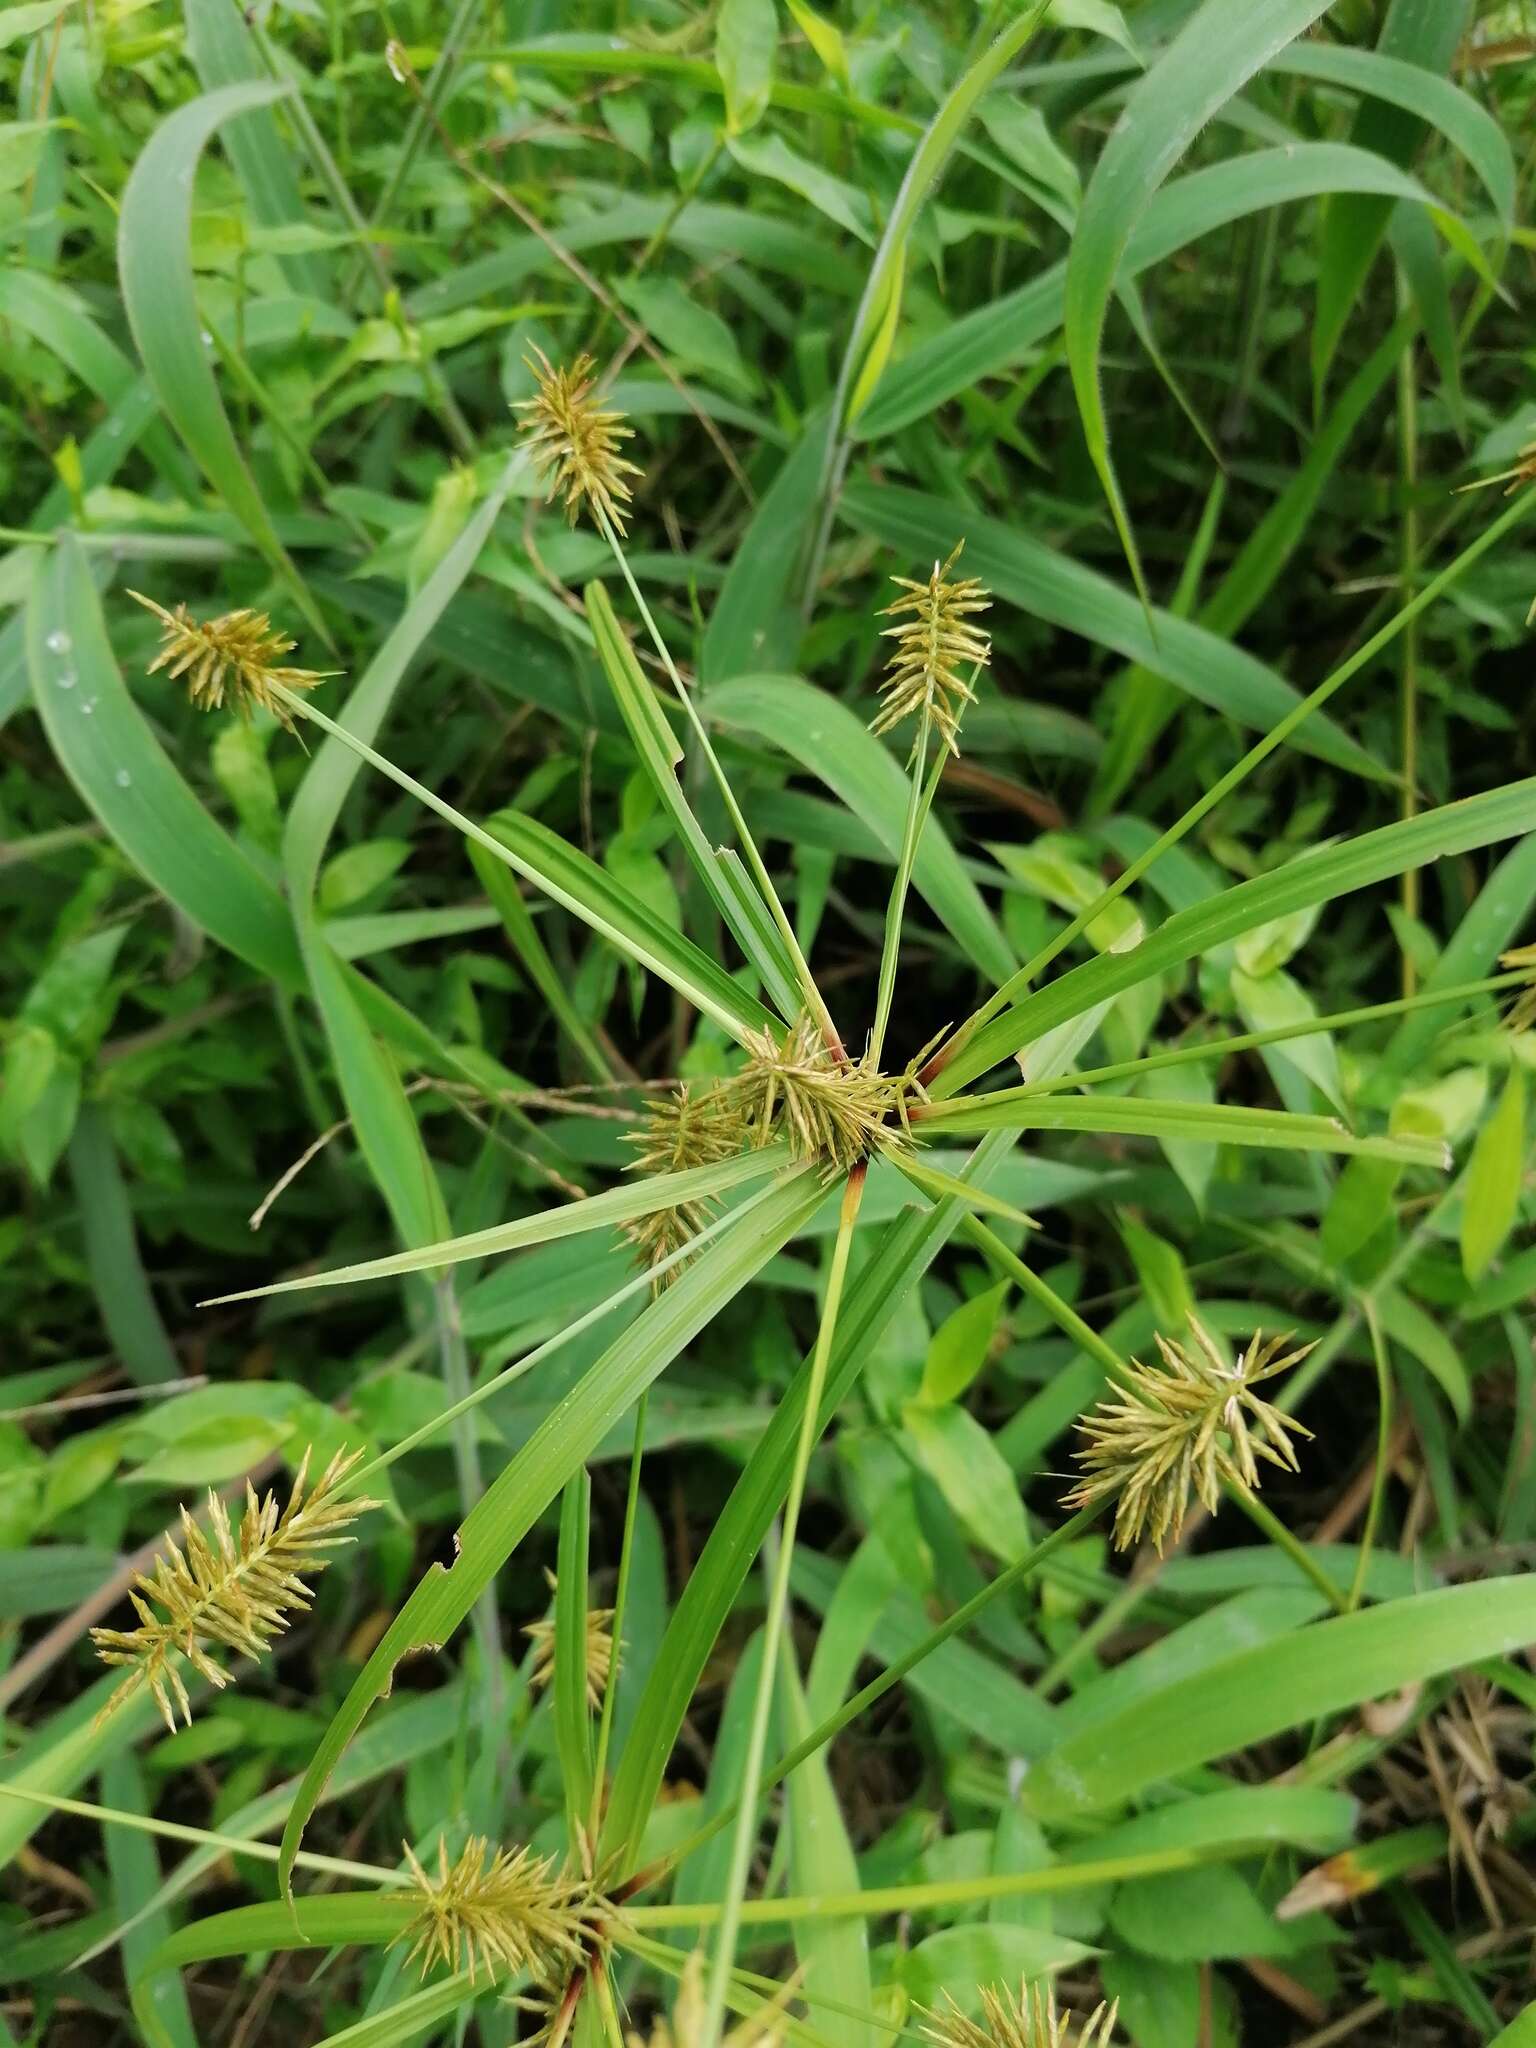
(746, 37)
(993, 338)
(1422, 1338)
(959, 1456)
(107, 749)
(1288, 1683)
(1495, 1176)
(155, 263)
(122, 1290)
(1212, 58)
(829, 740)
(959, 1347)
(1272, 1001)
(1424, 34)
(770, 156)
(1316, 877)
(558, 1447)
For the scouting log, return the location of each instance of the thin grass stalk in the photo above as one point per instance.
(1019, 983)
(899, 1668)
(486, 1615)
(739, 825)
(444, 810)
(621, 1590)
(1250, 1041)
(642, 1282)
(1408, 679)
(919, 803)
(1383, 1457)
(773, 1627)
(671, 1963)
(1269, 1524)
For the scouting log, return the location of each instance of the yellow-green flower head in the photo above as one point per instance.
(497, 1910)
(934, 642)
(237, 655)
(1029, 2020)
(575, 441)
(1185, 1427)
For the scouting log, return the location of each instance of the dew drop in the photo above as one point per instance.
(123, 778)
(396, 68)
(207, 338)
(87, 707)
(58, 641)
(65, 679)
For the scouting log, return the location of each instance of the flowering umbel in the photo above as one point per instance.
(237, 655)
(575, 441)
(1029, 2020)
(498, 1910)
(1183, 1428)
(695, 1124)
(935, 640)
(235, 1587)
(833, 1112)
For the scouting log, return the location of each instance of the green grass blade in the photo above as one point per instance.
(830, 741)
(1203, 1123)
(561, 1444)
(106, 747)
(1317, 877)
(117, 1273)
(154, 248)
(1282, 1684)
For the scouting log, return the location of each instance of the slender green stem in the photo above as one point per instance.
(1265, 1519)
(739, 825)
(1249, 1041)
(454, 1365)
(745, 1835)
(942, 1894)
(204, 1838)
(919, 803)
(1383, 1456)
(1017, 984)
(1408, 443)
(756, 1992)
(1065, 1317)
(901, 1667)
(606, 1307)
(621, 1600)
(469, 828)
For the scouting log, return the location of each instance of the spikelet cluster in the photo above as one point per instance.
(237, 655)
(1522, 1012)
(1185, 1427)
(765, 2029)
(1521, 472)
(935, 640)
(1028, 2020)
(833, 1113)
(498, 1910)
(696, 1124)
(233, 1587)
(599, 1653)
(574, 440)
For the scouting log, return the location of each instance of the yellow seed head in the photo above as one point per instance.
(1521, 472)
(697, 1124)
(230, 1587)
(599, 1653)
(498, 1910)
(1522, 1012)
(934, 642)
(575, 441)
(1029, 2020)
(237, 655)
(834, 1113)
(765, 2029)
(1185, 1427)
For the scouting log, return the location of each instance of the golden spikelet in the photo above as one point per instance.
(933, 644)
(234, 1587)
(599, 1650)
(237, 655)
(1522, 1012)
(1523, 471)
(574, 441)
(498, 1910)
(1029, 2020)
(834, 1113)
(1183, 1428)
(697, 1124)
(765, 2029)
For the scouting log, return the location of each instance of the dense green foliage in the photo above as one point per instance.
(1188, 318)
